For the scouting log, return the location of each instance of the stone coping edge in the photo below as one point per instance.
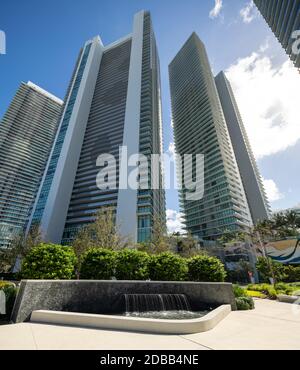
(142, 325)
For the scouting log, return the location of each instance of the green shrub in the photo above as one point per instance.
(268, 268)
(132, 264)
(167, 267)
(282, 288)
(4, 284)
(292, 273)
(244, 303)
(49, 261)
(239, 292)
(255, 294)
(98, 264)
(206, 268)
(266, 289)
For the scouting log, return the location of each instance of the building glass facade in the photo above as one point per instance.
(283, 17)
(252, 181)
(27, 132)
(200, 128)
(47, 182)
(118, 104)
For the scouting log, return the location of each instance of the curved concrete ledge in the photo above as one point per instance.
(175, 327)
(288, 299)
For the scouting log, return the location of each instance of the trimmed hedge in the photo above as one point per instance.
(49, 261)
(205, 268)
(132, 264)
(98, 264)
(168, 267)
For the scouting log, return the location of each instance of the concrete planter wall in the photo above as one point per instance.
(106, 297)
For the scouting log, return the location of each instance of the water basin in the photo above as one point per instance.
(167, 315)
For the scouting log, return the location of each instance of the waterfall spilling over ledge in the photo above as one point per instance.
(156, 302)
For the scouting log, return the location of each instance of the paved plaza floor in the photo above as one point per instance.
(272, 325)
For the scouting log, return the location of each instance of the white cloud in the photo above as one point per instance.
(273, 193)
(174, 221)
(248, 13)
(268, 99)
(215, 12)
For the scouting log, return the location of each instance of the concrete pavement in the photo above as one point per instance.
(272, 325)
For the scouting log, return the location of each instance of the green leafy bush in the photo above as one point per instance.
(282, 288)
(49, 261)
(255, 294)
(206, 268)
(167, 267)
(132, 264)
(266, 289)
(98, 264)
(4, 284)
(239, 292)
(292, 273)
(244, 303)
(268, 268)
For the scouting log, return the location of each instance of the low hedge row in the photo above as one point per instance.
(48, 261)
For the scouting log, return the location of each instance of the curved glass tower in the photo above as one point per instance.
(283, 17)
(200, 128)
(252, 181)
(113, 102)
(27, 131)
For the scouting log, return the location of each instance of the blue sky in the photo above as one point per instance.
(44, 37)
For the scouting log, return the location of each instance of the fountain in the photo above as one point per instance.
(168, 307)
(156, 302)
(160, 306)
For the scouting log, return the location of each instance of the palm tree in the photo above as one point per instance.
(292, 220)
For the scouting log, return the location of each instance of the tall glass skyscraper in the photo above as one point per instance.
(249, 171)
(27, 131)
(113, 101)
(200, 128)
(283, 17)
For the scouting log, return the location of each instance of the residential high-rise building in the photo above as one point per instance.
(27, 131)
(249, 171)
(200, 128)
(283, 17)
(113, 102)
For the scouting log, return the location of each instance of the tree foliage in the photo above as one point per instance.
(98, 264)
(269, 268)
(101, 233)
(206, 269)
(49, 261)
(168, 267)
(19, 247)
(132, 264)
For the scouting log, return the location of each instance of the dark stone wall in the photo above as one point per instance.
(106, 297)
